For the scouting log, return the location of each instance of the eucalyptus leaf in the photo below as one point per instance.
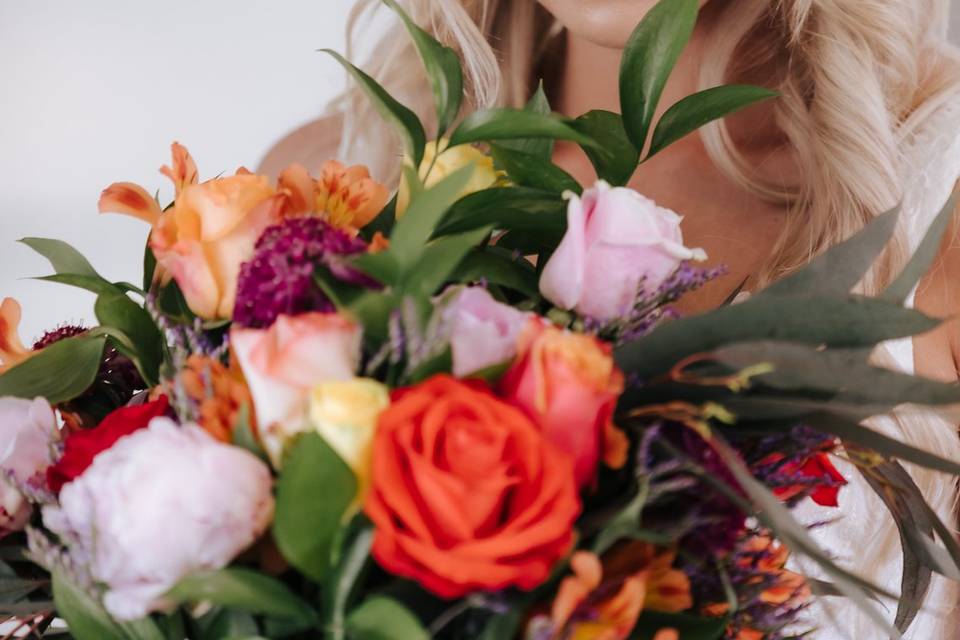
(618, 164)
(405, 120)
(923, 257)
(314, 491)
(528, 170)
(492, 125)
(443, 70)
(59, 373)
(840, 268)
(692, 112)
(382, 618)
(648, 60)
(246, 590)
(840, 322)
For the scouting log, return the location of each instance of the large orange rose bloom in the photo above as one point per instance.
(466, 494)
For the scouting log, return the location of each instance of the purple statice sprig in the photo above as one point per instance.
(652, 308)
(279, 278)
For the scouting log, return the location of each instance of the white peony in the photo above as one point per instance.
(160, 504)
(28, 429)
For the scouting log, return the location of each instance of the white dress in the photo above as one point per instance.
(864, 538)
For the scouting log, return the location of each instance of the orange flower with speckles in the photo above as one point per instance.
(219, 392)
(348, 196)
(603, 599)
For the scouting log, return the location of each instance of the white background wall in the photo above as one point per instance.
(94, 92)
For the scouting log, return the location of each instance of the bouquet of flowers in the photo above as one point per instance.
(466, 410)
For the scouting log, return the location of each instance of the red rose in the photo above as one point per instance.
(817, 471)
(466, 495)
(81, 447)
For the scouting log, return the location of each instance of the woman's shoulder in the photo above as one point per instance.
(310, 145)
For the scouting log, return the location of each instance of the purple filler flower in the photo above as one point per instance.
(279, 277)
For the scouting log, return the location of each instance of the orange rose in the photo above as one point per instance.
(466, 495)
(569, 385)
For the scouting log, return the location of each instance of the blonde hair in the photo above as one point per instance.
(856, 77)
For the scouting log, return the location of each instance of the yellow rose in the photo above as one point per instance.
(450, 159)
(345, 414)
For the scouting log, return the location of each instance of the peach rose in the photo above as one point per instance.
(466, 495)
(284, 363)
(567, 382)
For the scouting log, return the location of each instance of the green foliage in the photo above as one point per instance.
(245, 590)
(139, 338)
(507, 208)
(924, 255)
(528, 170)
(516, 124)
(59, 373)
(405, 120)
(343, 582)
(314, 491)
(701, 108)
(382, 618)
(63, 258)
(541, 148)
(87, 620)
(618, 164)
(649, 58)
(443, 70)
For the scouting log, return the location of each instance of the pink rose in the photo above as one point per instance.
(618, 243)
(483, 332)
(284, 362)
(569, 385)
(161, 503)
(29, 431)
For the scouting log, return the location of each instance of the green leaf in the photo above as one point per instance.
(692, 112)
(530, 171)
(63, 258)
(625, 525)
(87, 620)
(498, 267)
(14, 589)
(220, 623)
(96, 284)
(438, 261)
(849, 322)
(648, 60)
(314, 491)
(372, 310)
(690, 627)
(381, 618)
(381, 266)
(507, 208)
(342, 585)
(865, 437)
(405, 120)
(443, 69)
(840, 268)
(417, 225)
(620, 161)
(513, 124)
(59, 373)
(117, 311)
(540, 147)
(242, 435)
(923, 257)
(246, 590)
(149, 266)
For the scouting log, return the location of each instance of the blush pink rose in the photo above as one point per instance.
(617, 243)
(483, 332)
(569, 385)
(26, 441)
(283, 363)
(161, 503)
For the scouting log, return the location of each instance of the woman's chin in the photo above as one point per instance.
(607, 23)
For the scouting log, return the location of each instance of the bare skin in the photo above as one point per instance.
(735, 228)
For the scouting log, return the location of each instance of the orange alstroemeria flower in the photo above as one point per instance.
(219, 393)
(12, 351)
(213, 226)
(603, 599)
